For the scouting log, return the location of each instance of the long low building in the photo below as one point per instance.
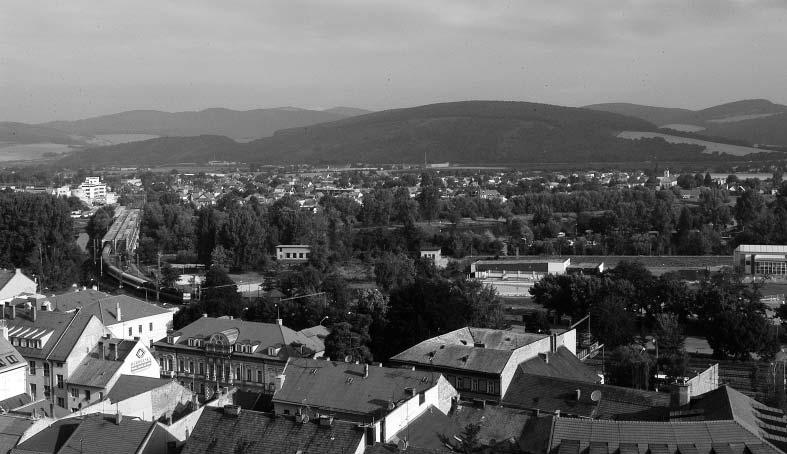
(516, 277)
(762, 260)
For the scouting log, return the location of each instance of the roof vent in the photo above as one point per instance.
(409, 391)
(479, 345)
(326, 420)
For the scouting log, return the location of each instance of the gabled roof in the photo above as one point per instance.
(548, 394)
(475, 349)
(251, 431)
(104, 306)
(96, 371)
(95, 433)
(65, 329)
(338, 387)
(12, 427)
(266, 334)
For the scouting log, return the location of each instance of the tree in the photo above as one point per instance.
(169, 275)
(630, 367)
(670, 346)
(611, 323)
(733, 317)
(343, 343)
(394, 270)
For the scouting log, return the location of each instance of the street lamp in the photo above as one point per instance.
(323, 319)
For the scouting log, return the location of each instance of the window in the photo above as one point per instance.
(46, 369)
(286, 412)
(259, 376)
(201, 368)
(150, 328)
(101, 395)
(47, 391)
(140, 329)
(60, 382)
(61, 402)
(191, 366)
(421, 397)
(248, 374)
(32, 367)
(59, 364)
(33, 392)
(75, 393)
(181, 366)
(238, 375)
(87, 394)
(11, 359)
(130, 331)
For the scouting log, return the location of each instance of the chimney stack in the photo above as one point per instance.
(34, 313)
(279, 321)
(117, 312)
(118, 418)
(102, 351)
(13, 311)
(579, 394)
(279, 381)
(4, 329)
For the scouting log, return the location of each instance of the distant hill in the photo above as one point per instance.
(754, 121)
(162, 150)
(239, 125)
(348, 111)
(471, 132)
(21, 133)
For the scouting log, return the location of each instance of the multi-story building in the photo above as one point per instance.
(126, 317)
(212, 353)
(480, 363)
(73, 360)
(516, 277)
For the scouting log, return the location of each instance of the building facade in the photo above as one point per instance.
(213, 353)
(293, 252)
(14, 283)
(761, 260)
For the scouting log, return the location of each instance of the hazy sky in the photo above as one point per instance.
(76, 58)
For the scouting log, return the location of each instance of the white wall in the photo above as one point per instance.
(18, 284)
(161, 323)
(14, 382)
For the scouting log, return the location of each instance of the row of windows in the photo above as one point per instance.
(34, 368)
(771, 268)
(27, 343)
(139, 328)
(188, 366)
(479, 385)
(296, 255)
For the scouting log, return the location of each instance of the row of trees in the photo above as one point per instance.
(627, 302)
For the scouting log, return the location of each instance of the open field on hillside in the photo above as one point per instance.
(710, 147)
(31, 152)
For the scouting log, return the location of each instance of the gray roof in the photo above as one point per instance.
(66, 329)
(90, 434)
(341, 388)
(10, 358)
(104, 306)
(251, 431)
(12, 427)
(132, 385)
(461, 349)
(95, 371)
(266, 334)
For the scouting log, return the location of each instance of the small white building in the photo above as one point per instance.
(91, 191)
(14, 283)
(435, 255)
(293, 252)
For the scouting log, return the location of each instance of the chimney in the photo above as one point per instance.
(102, 350)
(113, 351)
(553, 343)
(579, 394)
(279, 321)
(118, 418)
(13, 311)
(679, 395)
(18, 271)
(365, 371)
(117, 311)
(34, 313)
(4, 329)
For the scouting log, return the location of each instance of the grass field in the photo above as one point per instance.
(31, 152)
(710, 147)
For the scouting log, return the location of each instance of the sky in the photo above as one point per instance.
(71, 59)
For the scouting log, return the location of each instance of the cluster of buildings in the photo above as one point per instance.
(95, 373)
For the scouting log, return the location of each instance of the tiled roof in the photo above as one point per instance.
(131, 385)
(14, 402)
(551, 393)
(341, 387)
(104, 306)
(266, 334)
(65, 329)
(90, 434)
(458, 349)
(251, 431)
(577, 434)
(560, 364)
